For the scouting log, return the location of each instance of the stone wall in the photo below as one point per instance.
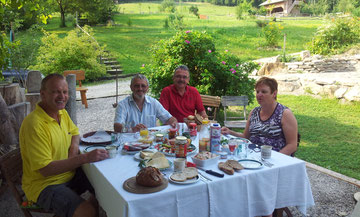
(337, 77)
(317, 65)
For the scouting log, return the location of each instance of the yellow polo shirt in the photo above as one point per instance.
(43, 140)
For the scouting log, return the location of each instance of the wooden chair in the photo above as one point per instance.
(80, 76)
(235, 121)
(211, 101)
(11, 170)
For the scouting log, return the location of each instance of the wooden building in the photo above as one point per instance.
(283, 7)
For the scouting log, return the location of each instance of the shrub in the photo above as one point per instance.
(176, 21)
(244, 10)
(272, 33)
(262, 23)
(211, 72)
(167, 6)
(75, 51)
(194, 10)
(331, 38)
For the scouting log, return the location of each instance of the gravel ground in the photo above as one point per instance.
(333, 197)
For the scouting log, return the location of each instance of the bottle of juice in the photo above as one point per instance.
(204, 136)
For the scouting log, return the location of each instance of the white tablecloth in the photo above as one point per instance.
(246, 193)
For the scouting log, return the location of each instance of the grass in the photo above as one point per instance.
(131, 44)
(329, 132)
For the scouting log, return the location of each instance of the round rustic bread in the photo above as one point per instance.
(190, 172)
(179, 177)
(149, 176)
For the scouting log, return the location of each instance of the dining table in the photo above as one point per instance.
(248, 192)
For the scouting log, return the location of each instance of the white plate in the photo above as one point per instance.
(93, 147)
(250, 164)
(188, 181)
(137, 155)
(170, 165)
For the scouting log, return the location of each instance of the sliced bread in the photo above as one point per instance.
(190, 172)
(235, 165)
(226, 168)
(178, 177)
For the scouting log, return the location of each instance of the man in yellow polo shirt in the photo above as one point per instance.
(49, 144)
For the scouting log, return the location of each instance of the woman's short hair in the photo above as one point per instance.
(270, 82)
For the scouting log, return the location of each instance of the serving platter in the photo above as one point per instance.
(166, 150)
(130, 185)
(137, 155)
(93, 147)
(188, 181)
(97, 137)
(250, 164)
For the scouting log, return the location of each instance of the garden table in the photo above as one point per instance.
(246, 193)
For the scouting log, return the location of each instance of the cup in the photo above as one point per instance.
(112, 150)
(179, 164)
(144, 132)
(266, 151)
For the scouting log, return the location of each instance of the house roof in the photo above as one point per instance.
(270, 2)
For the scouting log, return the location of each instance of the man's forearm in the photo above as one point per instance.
(74, 147)
(62, 166)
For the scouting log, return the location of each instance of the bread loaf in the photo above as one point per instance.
(226, 168)
(149, 176)
(235, 165)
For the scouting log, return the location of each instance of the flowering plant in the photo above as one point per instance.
(272, 33)
(210, 69)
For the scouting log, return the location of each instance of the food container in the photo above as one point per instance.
(181, 147)
(172, 133)
(159, 138)
(205, 163)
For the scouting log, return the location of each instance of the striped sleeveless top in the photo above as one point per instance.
(268, 132)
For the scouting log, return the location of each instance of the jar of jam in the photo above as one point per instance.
(172, 133)
(159, 138)
(180, 147)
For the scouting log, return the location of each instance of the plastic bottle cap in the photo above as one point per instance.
(205, 121)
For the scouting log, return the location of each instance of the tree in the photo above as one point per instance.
(244, 9)
(345, 6)
(64, 7)
(15, 6)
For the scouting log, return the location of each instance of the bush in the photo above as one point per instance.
(75, 51)
(262, 23)
(194, 10)
(244, 10)
(211, 72)
(167, 6)
(272, 34)
(331, 38)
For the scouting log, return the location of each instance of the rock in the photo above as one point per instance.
(304, 54)
(33, 82)
(339, 93)
(271, 68)
(353, 94)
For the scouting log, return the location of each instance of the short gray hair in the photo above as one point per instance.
(49, 77)
(182, 67)
(139, 76)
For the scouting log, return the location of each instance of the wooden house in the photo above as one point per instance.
(283, 7)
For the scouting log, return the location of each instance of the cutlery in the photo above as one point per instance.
(205, 177)
(266, 163)
(211, 172)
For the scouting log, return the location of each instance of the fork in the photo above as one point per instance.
(266, 163)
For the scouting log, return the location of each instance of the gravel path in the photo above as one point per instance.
(333, 197)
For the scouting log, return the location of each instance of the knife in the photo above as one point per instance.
(221, 175)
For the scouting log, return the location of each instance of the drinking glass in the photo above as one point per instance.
(232, 146)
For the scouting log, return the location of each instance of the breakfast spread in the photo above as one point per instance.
(149, 176)
(230, 166)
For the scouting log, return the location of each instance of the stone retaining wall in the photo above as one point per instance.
(337, 77)
(317, 65)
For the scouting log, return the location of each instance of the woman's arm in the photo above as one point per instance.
(290, 129)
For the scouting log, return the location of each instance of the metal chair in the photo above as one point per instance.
(235, 121)
(80, 76)
(211, 101)
(11, 170)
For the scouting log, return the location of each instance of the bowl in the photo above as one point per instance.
(205, 163)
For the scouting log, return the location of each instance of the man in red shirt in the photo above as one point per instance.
(180, 99)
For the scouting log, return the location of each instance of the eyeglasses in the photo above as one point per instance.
(140, 85)
(181, 76)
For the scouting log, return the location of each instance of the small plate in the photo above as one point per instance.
(97, 137)
(250, 164)
(188, 181)
(93, 147)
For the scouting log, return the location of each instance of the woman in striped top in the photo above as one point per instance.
(271, 123)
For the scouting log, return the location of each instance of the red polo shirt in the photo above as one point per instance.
(181, 106)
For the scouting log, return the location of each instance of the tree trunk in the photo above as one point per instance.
(62, 13)
(8, 136)
(11, 94)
